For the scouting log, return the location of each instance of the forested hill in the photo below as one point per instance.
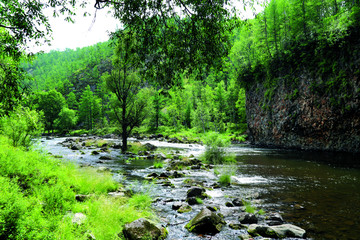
(299, 62)
(77, 68)
(75, 82)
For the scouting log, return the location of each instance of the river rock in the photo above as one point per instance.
(237, 202)
(229, 204)
(116, 194)
(75, 147)
(82, 197)
(149, 147)
(143, 229)
(105, 157)
(78, 218)
(184, 208)
(196, 192)
(206, 222)
(192, 201)
(274, 219)
(95, 153)
(248, 218)
(289, 230)
(280, 231)
(161, 156)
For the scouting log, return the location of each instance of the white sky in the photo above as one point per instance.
(84, 32)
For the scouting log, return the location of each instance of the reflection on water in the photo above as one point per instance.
(310, 191)
(319, 192)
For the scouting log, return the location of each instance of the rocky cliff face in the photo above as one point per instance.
(299, 117)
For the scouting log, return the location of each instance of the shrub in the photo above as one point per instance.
(215, 149)
(21, 126)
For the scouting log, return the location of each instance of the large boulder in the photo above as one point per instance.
(206, 222)
(143, 229)
(280, 231)
(289, 230)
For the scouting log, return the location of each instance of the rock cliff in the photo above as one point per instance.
(302, 118)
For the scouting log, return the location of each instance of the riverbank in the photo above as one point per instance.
(46, 198)
(287, 182)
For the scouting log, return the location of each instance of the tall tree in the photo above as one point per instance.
(89, 109)
(125, 83)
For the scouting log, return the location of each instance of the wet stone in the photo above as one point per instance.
(212, 208)
(237, 202)
(229, 204)
(95, 153)
(235, 226)
(142, 229)
(195, 192)
(184, 208)
(248, 218)
(191, 201)
(273, 219)
(105, 157)
(206, 222)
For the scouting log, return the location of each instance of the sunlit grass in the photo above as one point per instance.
(37, 199)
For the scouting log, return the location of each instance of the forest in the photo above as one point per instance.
(184, 76)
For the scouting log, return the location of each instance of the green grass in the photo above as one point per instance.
(225, 179)
(225, 172)
(199, 201)
(37, 199)
(158, 164)
(136, 147)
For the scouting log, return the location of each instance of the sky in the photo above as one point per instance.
(84, 32)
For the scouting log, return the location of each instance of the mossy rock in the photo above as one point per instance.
(206, 222)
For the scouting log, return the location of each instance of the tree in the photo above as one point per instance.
(67, 120)
(125, 83)
(157, 102)
(89, 109)
(50, 103)
(71, 101)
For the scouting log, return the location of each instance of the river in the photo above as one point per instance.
(319, 192)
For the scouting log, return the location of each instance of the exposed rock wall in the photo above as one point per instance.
(298, 117)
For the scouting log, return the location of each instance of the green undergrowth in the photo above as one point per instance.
(194, 135)
(37, 199)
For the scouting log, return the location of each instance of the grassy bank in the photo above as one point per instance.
(37, 199)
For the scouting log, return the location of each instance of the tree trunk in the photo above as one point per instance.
(124, 140)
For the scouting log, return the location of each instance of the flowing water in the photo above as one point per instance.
(319, 192)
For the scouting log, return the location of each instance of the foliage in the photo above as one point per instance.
(89, 108)
(225, 172)
(50, 103)
(158, 164)
(215, 149)
(289, 36)
(11, 77)
(124, 82)
(37, 199)
(21, 126)
(140, 201)
(66, 120)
